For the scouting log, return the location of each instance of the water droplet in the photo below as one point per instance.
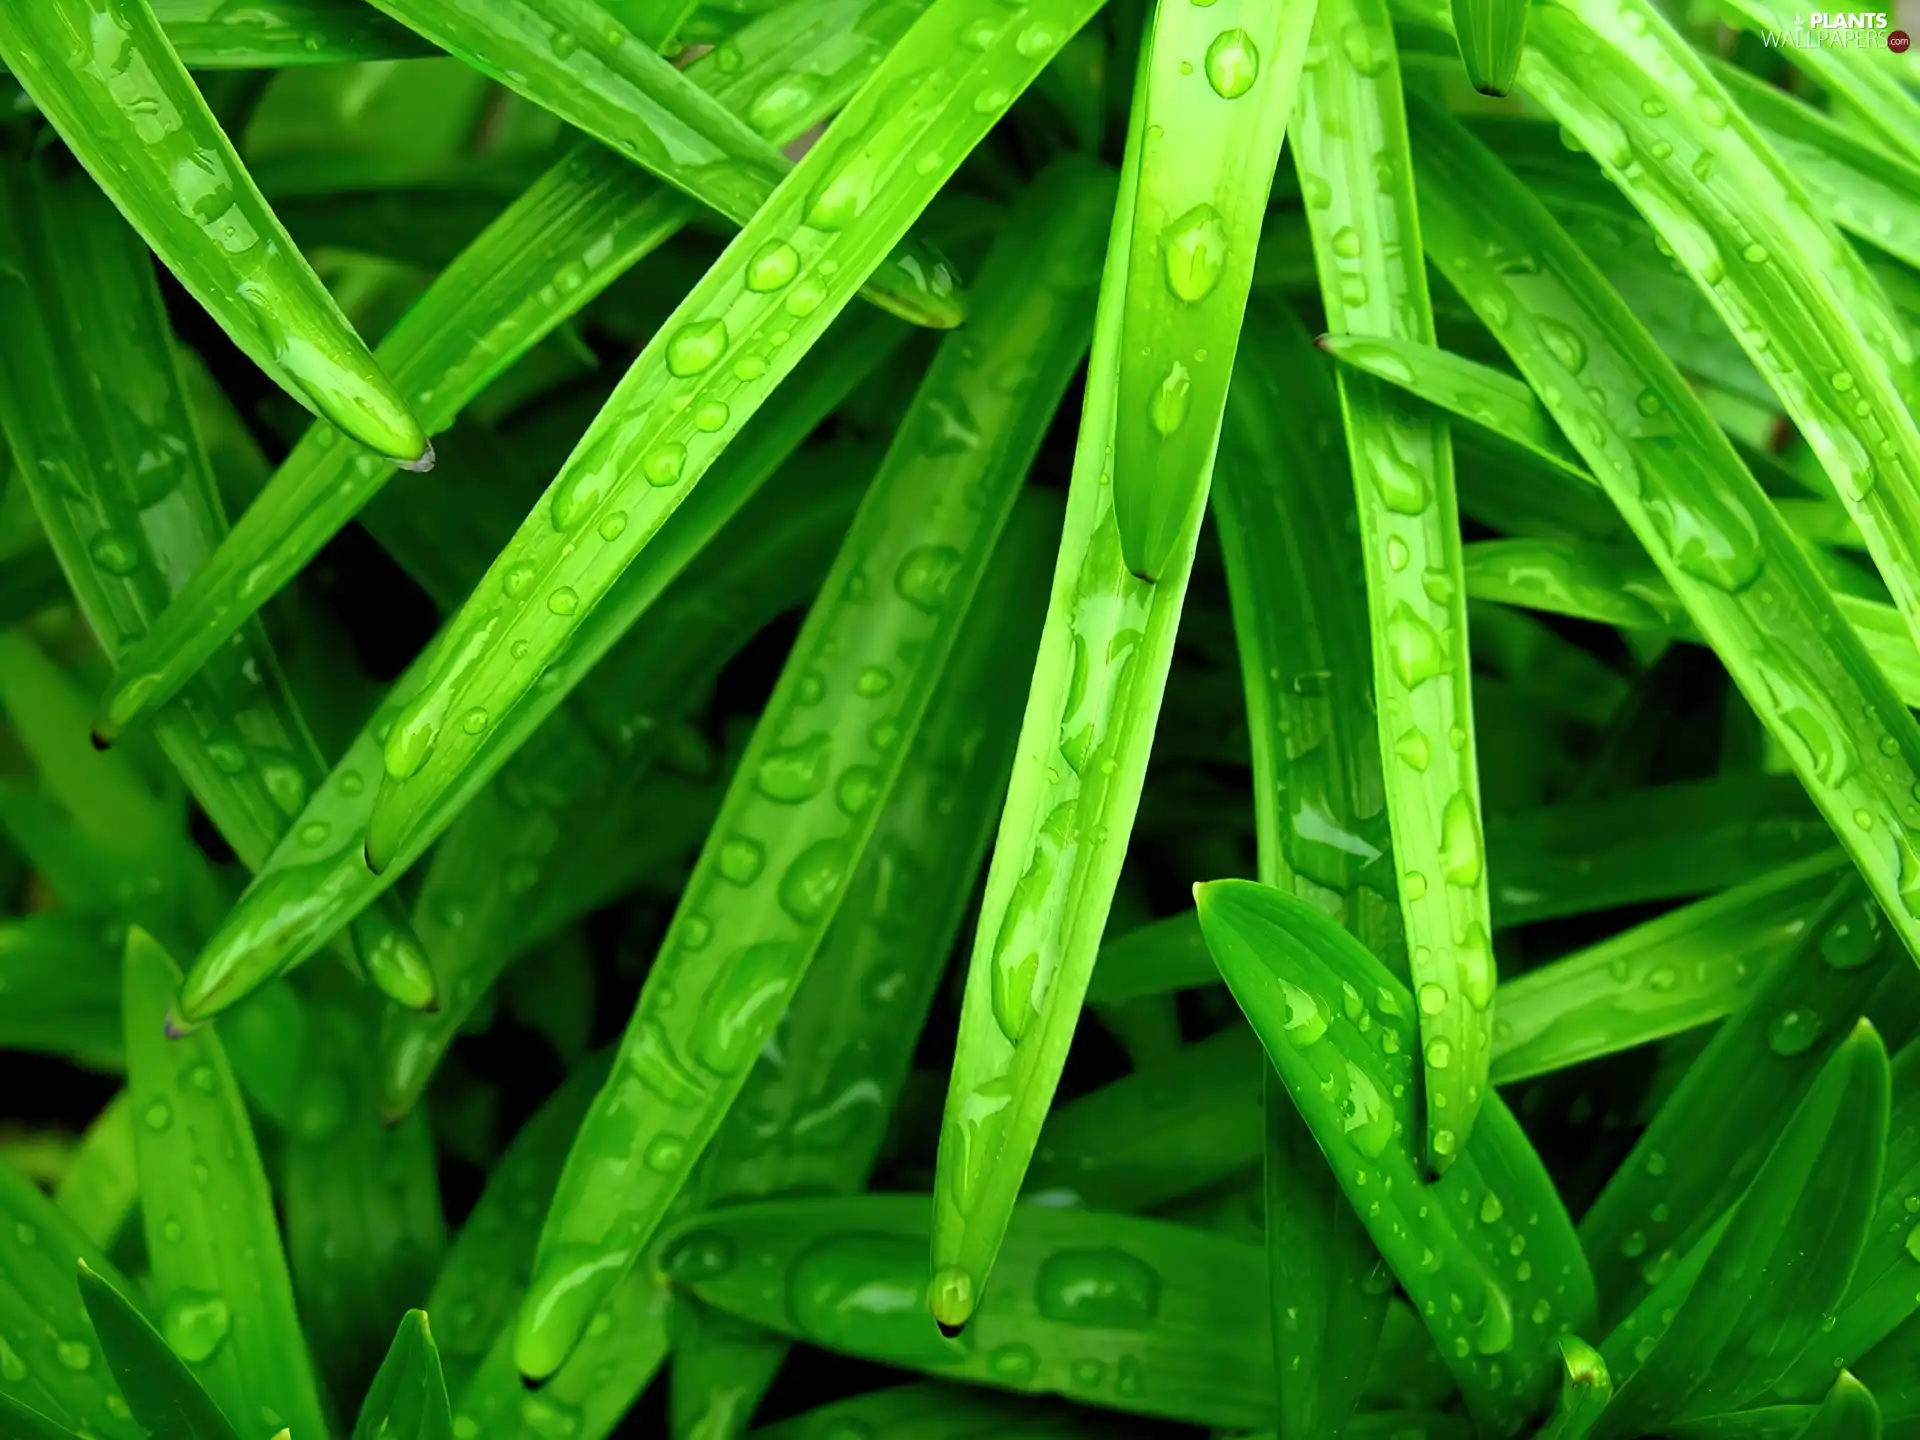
(195, 1324)
(1363, 50)
(856, 789)
(1433, 998)
(925, 574)
(810, 888)
(1104, 1287)
(867, 1295)
(563, 601)
(1755, 254)
(205, 1079)
(741, 859)
(665, 1152)
(798, 772)
(475, 720)
(159, 1115)
(1439, 1053)
(1194, 247)
(874, 681)
(1412, 747)
(12, 1368)
(1460, 850)
(1303, 1020)
(1417, 651)
(1013, 1364)
(695, 346)
(1493, 1333)
(114, 553)
(711, 417)
(1854, 938)
(1233, 64)
(1491, 1209)
(1167, 410)
(664, 463)
(745, 1001)
(1793, 1032)
(698, 1255)
(1366, 1118)
(614, 526)
(74, 1355)
(1565, 343)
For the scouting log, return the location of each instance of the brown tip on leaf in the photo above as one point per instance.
(366, 855)
(950, 1331)
(178, 1029)
(1492, 92)
(532, 1385)
(422, 464)
(1143, 577)
(101, 740)
(1322, 341)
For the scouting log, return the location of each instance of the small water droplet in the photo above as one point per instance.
(563, 601)
(195, 1324)
(1194, 247)
(1167, 410)
(695, 346)
(1233, 64)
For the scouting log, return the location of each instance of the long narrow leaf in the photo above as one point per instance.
(121, 99)
(1350, 149)
(577, 229)
(731, 341)
(800, 815)
(1743, 579)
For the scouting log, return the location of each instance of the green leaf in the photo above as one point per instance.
(102, 1184)
(1285, 508)
(226, 246)
(94, 403)
(575, 230)
(1711, 1136)
(811, 1116)
(20, 1422)
(63, 995)
(1795, 294)
(300, 898)
(226, 1304)
(485, 1270)
(535, 823)
(48, 1362)
(1883, 106)
(829, 224)
(799, 817)
(1493, 36)
(1217, 86)
(1094, 698)
(214, 35)
(1585, 1391)
(581, 61)
(1689, 500)
(622, 1350)
(1667, 975)
(1783, 1261)
(160, 1390)
(408, 1397)
(1338, 1027)
(1356, 176)
(1848, 1413)
(361, 1199)
(1158, 1135)
(1881, 1296)
(1122, 1313)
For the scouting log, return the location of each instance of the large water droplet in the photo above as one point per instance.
(696, 345)
(866, 1295)
(1104, 1287)
(1233, 64)
(811, 885)
(1417, 651)
(925, 574)
(1194, 247)
(1365, 1116)
(1460, 851)
(195, 1324)
(1167, 410)
(1493, 1334)
(114, 553)
(797, 772)
(1854, 938)
(1303, 1019)
(743, 1005)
